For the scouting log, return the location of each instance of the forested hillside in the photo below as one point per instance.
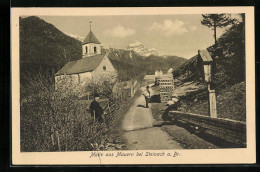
(42, 44)
(142, 65)
(228, 77)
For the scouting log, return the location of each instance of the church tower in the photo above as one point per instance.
(91, 45)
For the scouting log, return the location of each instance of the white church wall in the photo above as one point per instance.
(61, 81)
(66, 81)
(90, 49)
(105, 71)
(84, 51)
(74, 79)
(85, 77)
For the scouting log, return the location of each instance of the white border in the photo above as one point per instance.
(195, 156)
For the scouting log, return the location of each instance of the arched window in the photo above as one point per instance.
(86, 50)
(104, 68)
(95, 50)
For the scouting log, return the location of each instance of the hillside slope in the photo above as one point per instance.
(42, 44)
(228, 79)
(228, 56)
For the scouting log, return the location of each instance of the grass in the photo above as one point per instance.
(231, 103)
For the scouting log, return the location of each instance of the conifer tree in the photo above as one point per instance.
(216, 20)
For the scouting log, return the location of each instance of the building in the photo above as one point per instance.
(93, 67)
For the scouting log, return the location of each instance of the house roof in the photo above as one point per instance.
(87, 64)
(91, 38)
(204, 54)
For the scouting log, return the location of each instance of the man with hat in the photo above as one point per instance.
(147, 96)
(95, 109)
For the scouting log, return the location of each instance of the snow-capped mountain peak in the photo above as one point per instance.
(139, 48)
(135, 44)
(80, 38)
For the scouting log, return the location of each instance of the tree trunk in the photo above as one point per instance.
(215, 33)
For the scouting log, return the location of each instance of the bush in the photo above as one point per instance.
(58, 120)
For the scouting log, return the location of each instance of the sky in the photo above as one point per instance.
(180, 35)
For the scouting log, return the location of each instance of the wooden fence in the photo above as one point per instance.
(227, 129)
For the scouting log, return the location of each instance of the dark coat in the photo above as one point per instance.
(95, 106)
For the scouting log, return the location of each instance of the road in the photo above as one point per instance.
(139, 130)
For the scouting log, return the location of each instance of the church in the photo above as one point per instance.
(93, 67)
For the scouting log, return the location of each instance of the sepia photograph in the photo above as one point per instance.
(132, 85)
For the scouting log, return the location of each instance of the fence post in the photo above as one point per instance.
(108, 107)
(94, 115)
(209, 87)
(212, 104)
(58, 139)
(131, 89)
(52, 139)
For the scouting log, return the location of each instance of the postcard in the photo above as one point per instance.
(132, 86)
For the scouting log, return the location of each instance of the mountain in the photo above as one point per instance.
(148, 64)
(42, 45)
(77, 37)
(45, 48)
(139, 48)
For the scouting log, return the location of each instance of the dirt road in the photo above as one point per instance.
(139, 130)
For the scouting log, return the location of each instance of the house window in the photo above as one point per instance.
(86, 50)
(104, 68)
(95, 50)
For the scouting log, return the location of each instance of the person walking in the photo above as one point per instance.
(96, 110)
(147, 96)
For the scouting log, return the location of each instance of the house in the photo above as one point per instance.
(93, 67)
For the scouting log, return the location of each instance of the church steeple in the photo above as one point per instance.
(91, 45)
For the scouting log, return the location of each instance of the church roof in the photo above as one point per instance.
(65, 68)
(87, 64)
(91, 38)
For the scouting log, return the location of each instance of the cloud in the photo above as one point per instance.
(120, 31)
(169, 27)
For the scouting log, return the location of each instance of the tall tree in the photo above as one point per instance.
(216, 20)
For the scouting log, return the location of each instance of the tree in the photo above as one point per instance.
(216, 20)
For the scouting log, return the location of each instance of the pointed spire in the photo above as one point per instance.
(90, 25)
(91, 38)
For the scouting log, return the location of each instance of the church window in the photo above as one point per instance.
(95, 50)
(104, 68)
(86, 50)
